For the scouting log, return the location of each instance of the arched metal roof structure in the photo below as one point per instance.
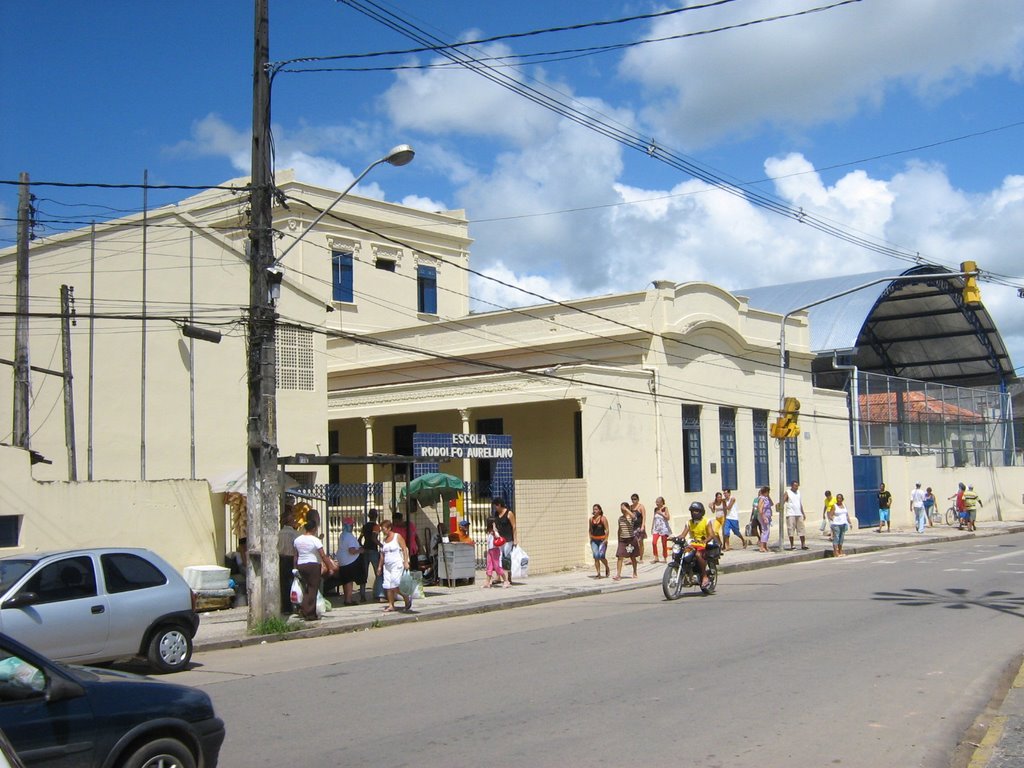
(908, 328)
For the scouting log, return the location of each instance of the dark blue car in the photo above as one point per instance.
(57, 715)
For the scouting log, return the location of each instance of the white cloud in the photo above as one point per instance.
(810, 69)
(212, 136)
(456, 100)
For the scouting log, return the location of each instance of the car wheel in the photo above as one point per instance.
(161, 753)
(170, 649)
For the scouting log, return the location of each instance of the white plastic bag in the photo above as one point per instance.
(322, 606)
(520, 562)
(297, 591)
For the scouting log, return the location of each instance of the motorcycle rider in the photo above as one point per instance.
(700, 532)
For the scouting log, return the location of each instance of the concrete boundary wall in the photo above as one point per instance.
(551, 521)
(178, 519)
(999, 488)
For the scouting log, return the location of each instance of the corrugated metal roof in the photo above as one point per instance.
(918, 330)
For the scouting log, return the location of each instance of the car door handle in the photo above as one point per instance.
(97, 609)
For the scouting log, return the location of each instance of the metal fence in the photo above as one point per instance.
(960, 426)
(336, 501)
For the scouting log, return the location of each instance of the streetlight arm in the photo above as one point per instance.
(327, 210)
(782, 362)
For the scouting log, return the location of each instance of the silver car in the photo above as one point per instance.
(92, 605)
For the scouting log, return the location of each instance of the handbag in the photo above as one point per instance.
(329, 568)
(499, 541)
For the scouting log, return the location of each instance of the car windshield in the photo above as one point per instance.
(12, 569)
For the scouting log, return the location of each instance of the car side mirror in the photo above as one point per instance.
(60, 689)
(21, 599)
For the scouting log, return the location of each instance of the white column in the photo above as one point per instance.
(368, 426)
(464, 414)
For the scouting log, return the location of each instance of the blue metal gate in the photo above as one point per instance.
(867, 476)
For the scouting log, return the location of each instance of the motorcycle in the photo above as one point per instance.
(683, 570)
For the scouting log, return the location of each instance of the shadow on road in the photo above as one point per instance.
(960, 599)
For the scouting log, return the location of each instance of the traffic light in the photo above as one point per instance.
(786, 425)
(972, 293)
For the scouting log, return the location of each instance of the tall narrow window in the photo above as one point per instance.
(792, 461)
(692, 481)
(727, 437)
(761, 476)
(485, 467)
(341, 275)
(426, 290)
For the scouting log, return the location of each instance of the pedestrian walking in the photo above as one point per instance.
(971, 503)
(917, 497)
(660, 529)
(395, 554)
(718, 514)
(639, 524)
(310, 559)
(826, 517)
(627, 548)
(505, 524)
(369, 540)
(494, 569)
(839, 519)
(795, 517)
(884, 505)
(929, 506)
(599, 540)
(732, 521)
(764, 517)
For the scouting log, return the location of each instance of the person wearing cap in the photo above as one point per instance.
(971, 502)
(350, 559)
(917, 507)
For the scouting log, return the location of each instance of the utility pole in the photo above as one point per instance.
(22, 387)
(262, 502)
(67, 312)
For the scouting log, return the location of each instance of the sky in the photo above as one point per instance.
(898, 124)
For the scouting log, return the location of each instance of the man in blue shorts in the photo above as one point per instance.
(884, 503)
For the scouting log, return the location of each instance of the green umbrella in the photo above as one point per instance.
(430, 488)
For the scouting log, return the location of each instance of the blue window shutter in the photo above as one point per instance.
(341, 276)
(426, 290)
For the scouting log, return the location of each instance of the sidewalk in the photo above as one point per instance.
(228, 628)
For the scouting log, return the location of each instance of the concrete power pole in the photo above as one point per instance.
(67, 319)
(263, 515)
(22, 386)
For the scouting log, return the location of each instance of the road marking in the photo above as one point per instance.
(959, 570)
(998, 557)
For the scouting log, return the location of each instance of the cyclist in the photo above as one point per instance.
(959, 496)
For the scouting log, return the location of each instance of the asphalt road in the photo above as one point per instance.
(882, 659)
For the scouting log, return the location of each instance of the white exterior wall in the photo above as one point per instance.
(711, 350)
(206, 231)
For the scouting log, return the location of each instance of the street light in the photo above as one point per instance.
(263, 498)
(398, 156)
(971, 297)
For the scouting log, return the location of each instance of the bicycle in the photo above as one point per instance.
(952, 516)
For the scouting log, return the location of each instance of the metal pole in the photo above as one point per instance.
(262, 497)
(92, 338)
(191, 356)
(142, 415)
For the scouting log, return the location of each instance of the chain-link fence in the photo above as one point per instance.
(960, 426)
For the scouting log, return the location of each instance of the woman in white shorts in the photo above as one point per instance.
(395, 560)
